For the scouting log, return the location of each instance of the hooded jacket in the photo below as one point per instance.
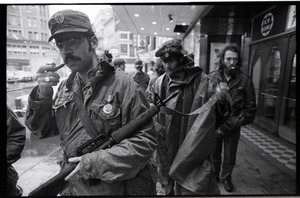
(195, 91)
(122, 169)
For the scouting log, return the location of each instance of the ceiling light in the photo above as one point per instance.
(153, 22)
(155, 33)
(167, 28)
(136, 15)
(170, 18)
(183, 23)
(178, 33)
(142, 28)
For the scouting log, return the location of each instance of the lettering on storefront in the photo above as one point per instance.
(267, 24)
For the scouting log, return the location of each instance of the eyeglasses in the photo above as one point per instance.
(71, 43)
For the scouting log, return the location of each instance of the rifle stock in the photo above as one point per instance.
(54, 186)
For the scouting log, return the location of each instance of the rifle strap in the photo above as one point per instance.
(84, 117)
(206, 106)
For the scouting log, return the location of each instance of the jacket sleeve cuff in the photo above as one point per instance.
(36, 101)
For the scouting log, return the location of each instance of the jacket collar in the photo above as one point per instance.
(233, 80)
(96, 75)
(184, 75)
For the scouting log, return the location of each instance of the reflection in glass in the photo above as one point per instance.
(270, 90)
(290, 117)
(269, 107)
(256, 76)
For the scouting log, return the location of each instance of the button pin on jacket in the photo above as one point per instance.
(107, 109)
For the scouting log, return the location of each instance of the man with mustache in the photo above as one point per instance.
(242, 92)
(110, 99)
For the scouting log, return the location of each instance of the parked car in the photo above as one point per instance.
(21, 103)
(25, 76)
(11, 77)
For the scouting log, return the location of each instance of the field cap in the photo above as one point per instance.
(170, 47)
(138, 63)
(68, 21)
(109, 55)
(119, 61)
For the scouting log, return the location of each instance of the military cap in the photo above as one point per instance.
(68, 21)
(170, 47)
(118, 61)
(138, 63)
(109, 55)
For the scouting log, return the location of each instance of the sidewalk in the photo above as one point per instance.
(266, 165)
(38, 162)
(278, 151)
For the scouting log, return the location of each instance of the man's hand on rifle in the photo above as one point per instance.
(76, 170)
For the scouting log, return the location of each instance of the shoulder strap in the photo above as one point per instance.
(84, 117)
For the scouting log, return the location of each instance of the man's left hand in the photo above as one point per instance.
(76, 170)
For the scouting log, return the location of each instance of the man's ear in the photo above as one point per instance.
(94, 42)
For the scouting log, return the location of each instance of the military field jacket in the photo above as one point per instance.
(103, 172)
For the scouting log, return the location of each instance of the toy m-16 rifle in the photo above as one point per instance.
(54, 186)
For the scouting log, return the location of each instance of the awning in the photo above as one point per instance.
(147, 57)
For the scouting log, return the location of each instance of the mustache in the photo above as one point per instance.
(69, 58)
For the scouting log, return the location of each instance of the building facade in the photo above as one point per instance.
(114, 35)
(27, 38)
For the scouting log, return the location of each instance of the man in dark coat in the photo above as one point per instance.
(139, 76)
(242, 93)
(15, 141)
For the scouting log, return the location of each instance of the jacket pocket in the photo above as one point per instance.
(62, 100)
(106, 115)
(143, 183)
(238, 97)
(60, 104)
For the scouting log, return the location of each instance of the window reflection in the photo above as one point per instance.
(273, 71)
(290, 118)
(256, 76)
(271, 87)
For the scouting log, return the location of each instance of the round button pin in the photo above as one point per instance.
(107, 109)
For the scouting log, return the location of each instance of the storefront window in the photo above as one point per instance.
(192, 43)
(272, 81)
(290, 117)
(256, 76)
